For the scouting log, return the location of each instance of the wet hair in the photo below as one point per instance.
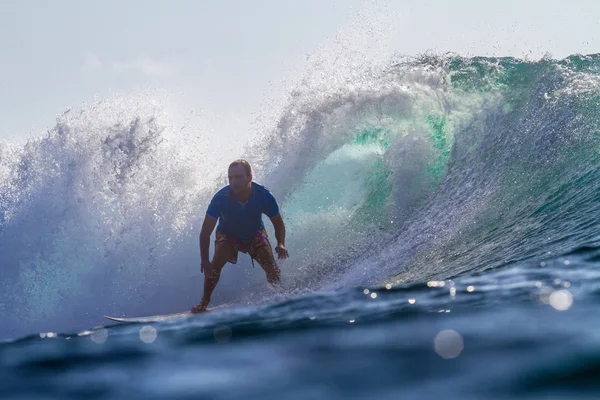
(243, 163)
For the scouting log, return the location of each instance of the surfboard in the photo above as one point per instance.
(163, 317)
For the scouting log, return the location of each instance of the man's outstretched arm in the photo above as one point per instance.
(280, 236)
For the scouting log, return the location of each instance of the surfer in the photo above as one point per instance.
(239, 207)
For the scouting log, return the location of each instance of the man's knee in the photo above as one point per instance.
(265, 258)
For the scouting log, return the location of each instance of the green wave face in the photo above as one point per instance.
(488, 146)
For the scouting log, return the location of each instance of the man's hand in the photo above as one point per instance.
(206, 267)
(282, 252)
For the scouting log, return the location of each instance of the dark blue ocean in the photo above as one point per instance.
(442, 216)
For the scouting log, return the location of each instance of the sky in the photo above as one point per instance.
(229, 57)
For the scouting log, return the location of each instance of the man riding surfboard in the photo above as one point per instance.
(239, 207)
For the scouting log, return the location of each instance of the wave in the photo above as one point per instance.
(427, 168)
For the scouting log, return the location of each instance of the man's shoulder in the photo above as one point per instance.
(261, 189)
(222, 193)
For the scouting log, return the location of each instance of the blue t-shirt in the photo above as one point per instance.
(239, 220)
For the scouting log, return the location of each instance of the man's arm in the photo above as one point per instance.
(271, 209)
(279, 229)
(207, 228)
(280, 235)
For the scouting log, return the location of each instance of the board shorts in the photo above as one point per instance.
(260, 239)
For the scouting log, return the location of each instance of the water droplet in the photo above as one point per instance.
(470, 288)
(412, 301)
(373, 295)
(366, 291)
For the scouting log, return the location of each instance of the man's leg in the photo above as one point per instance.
(264, 256)
(224, 252)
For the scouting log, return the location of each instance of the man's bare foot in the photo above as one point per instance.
(198, 308)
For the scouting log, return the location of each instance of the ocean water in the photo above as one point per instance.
(442, 224)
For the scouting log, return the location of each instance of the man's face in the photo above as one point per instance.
(238, 179)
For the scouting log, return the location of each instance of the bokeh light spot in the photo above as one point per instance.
(148, 334)
(448, 344)
(99, 336)
(561, 299)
